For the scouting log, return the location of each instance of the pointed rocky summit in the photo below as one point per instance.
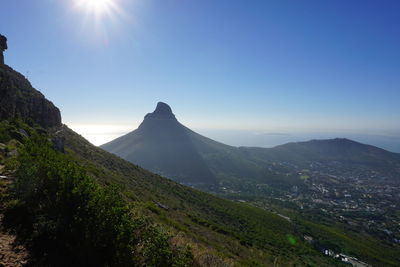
(162, 109)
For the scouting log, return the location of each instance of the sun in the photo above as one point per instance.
(99, 17)
(98, 7)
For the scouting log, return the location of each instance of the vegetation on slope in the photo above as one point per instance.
(67, 219)
(236, 233)
(338, 237)
(332, 234)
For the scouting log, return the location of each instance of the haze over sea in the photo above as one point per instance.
(100, 134)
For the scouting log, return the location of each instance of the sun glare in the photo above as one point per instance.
(98, 18)
(96, 6)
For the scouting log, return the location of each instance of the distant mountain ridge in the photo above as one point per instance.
(339, 149)
(163, 145)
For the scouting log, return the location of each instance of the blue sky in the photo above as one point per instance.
(266, 66)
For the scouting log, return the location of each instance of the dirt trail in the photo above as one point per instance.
(10, 254)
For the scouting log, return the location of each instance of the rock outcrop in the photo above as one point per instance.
(3, 46)
(162, 111)
(19, 100)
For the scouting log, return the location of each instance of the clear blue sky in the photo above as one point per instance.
(256, 65)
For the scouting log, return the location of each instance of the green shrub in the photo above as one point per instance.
(69, 220)
(4, 132)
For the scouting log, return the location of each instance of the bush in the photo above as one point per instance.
(69, 220)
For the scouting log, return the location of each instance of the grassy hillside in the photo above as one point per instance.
(247, 233)
(216, 228)
(358, 244)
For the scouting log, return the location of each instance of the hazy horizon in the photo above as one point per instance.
(390, 140)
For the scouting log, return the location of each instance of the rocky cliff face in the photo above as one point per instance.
(18, 99)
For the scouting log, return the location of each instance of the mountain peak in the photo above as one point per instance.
(162, 110)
